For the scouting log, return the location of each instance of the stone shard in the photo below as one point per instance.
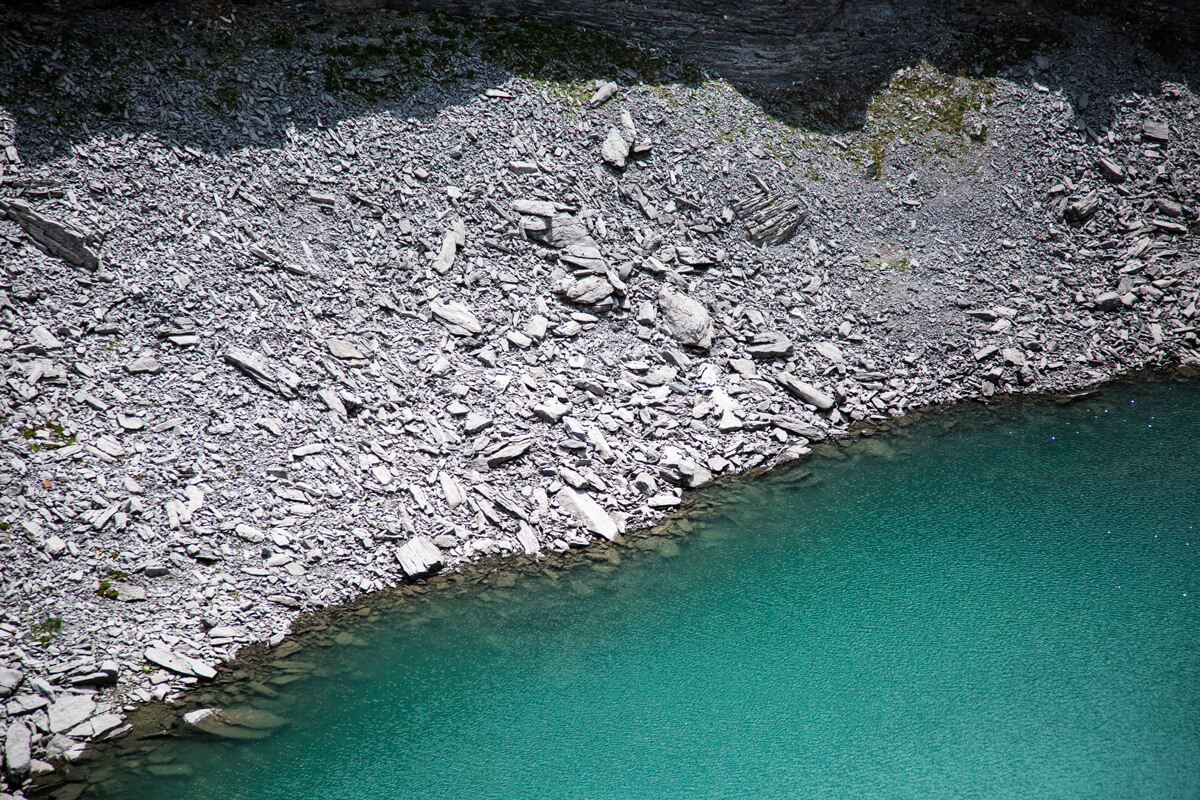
(1083, 209)
(527, 538)
(830, 351)
(551, 411)
(253, 365)
(603, 92)
(72, 244)
(144, 364)
(128, 592)
(686, 319)
(770, 344)
(535, 208)
(449, 250)
(588, 512)
(234, 723)
(1156, 131)
(509, 452)
(178, 663)
(43, 341)
(560, 231)
(419, 557)
(797, 427)
(453, 492)
(806, 392)
(97, 726)
(1112, 170)
(457, 317)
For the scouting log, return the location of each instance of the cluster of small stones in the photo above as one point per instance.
(243, 380)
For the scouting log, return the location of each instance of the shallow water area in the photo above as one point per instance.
(992, 604)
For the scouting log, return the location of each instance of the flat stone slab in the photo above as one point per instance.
(456, 317)
(804, 391)
(70, 710)
(343, 349)
(234, 723)
(18, 749)
(96, 726)
(180, 664)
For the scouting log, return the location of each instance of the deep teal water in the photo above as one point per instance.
(988, 604)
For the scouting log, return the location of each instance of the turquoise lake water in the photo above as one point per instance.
(985, 604)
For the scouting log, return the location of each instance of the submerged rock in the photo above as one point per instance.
(234, 723)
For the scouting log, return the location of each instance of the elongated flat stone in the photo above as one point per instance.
(806, 392)
(588, 512)
(456, 317)
(72, 244)
(252, 364)
(180, 664)
(209, 720)
(508, 453)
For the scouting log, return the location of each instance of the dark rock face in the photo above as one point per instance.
(816, 62)
(771, 18)
(828, 56)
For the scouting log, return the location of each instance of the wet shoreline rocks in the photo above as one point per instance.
(403, 337)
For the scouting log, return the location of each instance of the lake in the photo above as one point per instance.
(986, 603)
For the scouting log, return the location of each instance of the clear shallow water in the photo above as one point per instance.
(989, 604)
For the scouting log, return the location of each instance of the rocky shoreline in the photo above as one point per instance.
(278, 333)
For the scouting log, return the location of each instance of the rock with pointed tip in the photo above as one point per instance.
(603, 92)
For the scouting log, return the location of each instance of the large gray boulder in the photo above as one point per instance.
(687, 320)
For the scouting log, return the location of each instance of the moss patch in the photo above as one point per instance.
(46, 436)
(45, 631)
(925, 107)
